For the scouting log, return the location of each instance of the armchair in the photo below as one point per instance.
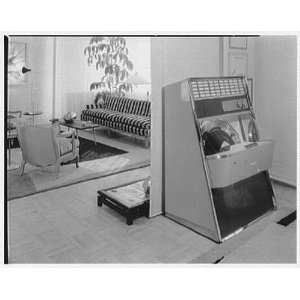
(41, 147)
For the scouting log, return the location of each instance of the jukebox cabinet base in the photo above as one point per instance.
(194, 227)
(241, 203)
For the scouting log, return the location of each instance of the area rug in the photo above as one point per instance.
(89, 150)
(96, 161)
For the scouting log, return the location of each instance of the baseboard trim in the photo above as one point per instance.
(155, 214)
(284, 182)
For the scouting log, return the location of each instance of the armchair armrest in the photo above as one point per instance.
(68, 145)
(61, 133)
(65, 134)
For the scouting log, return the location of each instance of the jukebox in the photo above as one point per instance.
(215, 167)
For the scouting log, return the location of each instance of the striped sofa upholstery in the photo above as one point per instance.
(124, 114)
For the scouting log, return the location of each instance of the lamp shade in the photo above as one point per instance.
(137, 79)
(25, 70)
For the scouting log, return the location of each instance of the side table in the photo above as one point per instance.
(32, 114)
(80, 125)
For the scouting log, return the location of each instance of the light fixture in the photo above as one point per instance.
(136, 79)
(16, 65)
(25, 70)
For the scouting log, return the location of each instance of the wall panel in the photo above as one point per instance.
(174, 59)
(276, 100)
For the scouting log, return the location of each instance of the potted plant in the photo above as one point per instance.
(110, 57)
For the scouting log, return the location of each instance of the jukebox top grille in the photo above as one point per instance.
(217, 87)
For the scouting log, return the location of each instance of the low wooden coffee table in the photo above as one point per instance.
(80, 125)
(128, 200)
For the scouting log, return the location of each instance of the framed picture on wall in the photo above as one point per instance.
(16, 61)
(237, 64)
(238, 43)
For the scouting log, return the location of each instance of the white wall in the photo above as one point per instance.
(19, 94)
(36, 92)
(174, 59)
(276, 100)
(139, 53)
(74, 76)
(72, 80)
(249, 52)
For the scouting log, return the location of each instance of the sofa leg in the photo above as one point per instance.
(108, 132)
(147, 143)
(57, 169)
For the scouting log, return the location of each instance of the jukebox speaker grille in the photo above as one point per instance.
(217, 88)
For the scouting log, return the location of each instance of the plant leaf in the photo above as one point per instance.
(129, 65)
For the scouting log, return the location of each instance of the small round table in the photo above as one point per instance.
(33, 114)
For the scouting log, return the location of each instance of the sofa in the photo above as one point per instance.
(124, 115)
